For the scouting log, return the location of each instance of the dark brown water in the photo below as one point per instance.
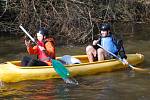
(120, 85)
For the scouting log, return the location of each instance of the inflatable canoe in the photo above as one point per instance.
(13, 72)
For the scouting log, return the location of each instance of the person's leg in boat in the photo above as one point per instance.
(25, 60)
(91, 53)
(34, 62)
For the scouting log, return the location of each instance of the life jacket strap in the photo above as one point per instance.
(46, 59)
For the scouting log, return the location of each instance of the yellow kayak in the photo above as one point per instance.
(13, 72)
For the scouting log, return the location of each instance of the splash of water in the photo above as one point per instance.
(71, 81)
(1, 84)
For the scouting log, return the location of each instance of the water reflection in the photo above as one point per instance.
(106, 86)
(28, 89)
(45, 91)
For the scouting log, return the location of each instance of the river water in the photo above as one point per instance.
(119, 85)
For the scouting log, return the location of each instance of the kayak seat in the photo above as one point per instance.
(67, 59)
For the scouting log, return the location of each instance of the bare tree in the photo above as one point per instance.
(70, 21)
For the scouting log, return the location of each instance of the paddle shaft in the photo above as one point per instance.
(28, 34)
(115, 56)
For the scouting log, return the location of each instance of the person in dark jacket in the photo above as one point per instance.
(107, 40)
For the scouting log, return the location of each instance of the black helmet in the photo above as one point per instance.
(43, 31)
(104, 27)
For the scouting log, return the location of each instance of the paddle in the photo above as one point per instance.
(58, 66)
(129, 65)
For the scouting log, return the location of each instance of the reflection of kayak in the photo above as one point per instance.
(13, 72)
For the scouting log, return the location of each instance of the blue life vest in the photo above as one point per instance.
(108, 44)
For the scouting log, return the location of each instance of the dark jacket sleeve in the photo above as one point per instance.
(122, 53)
(119, 44)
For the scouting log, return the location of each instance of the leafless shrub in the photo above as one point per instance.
(71, 21)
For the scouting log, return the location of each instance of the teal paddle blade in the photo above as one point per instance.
(60, 69)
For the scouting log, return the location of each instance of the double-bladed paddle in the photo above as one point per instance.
(58, 66)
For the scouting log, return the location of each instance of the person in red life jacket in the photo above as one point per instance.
(45, 50)
(107, 40)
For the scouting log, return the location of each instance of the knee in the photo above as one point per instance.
(100, 51)
(26, 58)
(89, 48)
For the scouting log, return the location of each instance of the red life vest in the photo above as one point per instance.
(41, 54)
(44, 56)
